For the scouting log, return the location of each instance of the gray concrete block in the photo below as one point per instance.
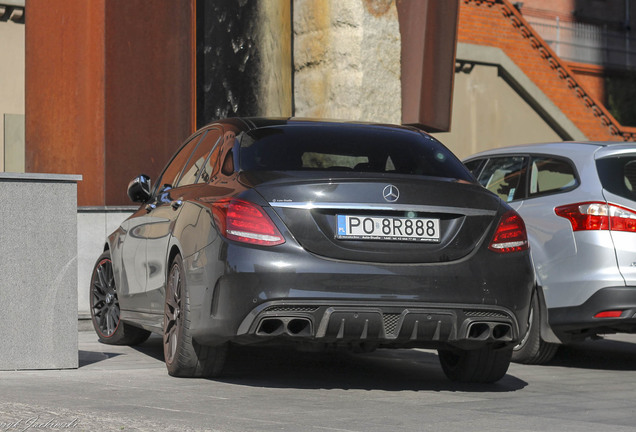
(38, 271)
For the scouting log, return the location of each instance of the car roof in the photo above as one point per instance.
(565, 148)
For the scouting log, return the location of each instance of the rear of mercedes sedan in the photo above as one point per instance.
(320, 234)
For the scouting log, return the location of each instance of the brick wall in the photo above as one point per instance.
(592, 78)
(497, 23)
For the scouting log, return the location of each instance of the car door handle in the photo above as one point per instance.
(176, 204)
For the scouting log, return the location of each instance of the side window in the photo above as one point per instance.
(228, 163)
(474, 166)
(196, 165)
(629, 176)
(171, 173)
(548, 175)
(504, 176)
(618, 175)
(213, 164)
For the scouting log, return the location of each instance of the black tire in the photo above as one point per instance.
(484, 365)
(104, 306)
(183, 356)
(532, 349)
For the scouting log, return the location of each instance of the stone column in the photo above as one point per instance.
(347, 60)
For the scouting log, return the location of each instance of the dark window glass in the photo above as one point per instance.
(213, 164)
(474, 166)
(504, 176)
(618, 175)
(549, 175)
(196, 166)
(171, 173)
(348, 148)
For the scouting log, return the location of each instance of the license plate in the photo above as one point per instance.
(387, 228)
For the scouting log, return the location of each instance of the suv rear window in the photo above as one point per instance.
(550, 175)
(347, 148)
(618, 175)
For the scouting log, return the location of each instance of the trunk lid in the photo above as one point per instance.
(422, 220)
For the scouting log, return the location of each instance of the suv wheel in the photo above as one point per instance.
(532, 349)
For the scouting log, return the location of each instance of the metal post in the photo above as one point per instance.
(557, 37)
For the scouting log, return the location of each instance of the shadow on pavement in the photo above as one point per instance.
(153, 347)
(597, 354)
(286, 367)
(390, 370)
(89, 357)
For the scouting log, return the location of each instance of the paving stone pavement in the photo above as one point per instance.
(587, 387)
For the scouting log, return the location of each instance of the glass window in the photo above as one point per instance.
(474, 166)
(171, 173)
(618, 175)
(228, 163)
(196, 167)
(629, 176)
(348, 148)
(548, 175)
(213, 164)
(333, 161)
(504, 176)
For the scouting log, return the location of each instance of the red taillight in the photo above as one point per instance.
(595, 216)
(245, 222)
(609, 314)
(510, 235)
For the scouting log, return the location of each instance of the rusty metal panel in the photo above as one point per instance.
(149, 88)
(109, 90)
(64, 92)
(428, 30)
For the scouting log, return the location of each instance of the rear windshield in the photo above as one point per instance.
(618, 175)
(348, 148)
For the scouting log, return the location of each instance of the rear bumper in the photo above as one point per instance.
(414, 324)
(255, 296)
(580, 321)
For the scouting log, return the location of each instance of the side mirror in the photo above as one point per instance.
(139, 189)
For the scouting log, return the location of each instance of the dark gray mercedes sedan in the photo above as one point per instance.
(321, 234)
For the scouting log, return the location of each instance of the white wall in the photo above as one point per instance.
(12, 65)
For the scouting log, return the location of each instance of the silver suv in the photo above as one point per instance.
(579, 204)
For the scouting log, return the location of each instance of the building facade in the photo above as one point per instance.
(12, 61)
(110, 88)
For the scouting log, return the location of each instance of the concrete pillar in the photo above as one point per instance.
(38, 264)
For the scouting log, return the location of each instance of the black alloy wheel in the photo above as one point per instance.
(105, 312)
(173, 319)
(183, 356)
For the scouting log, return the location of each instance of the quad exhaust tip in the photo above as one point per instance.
(290, 326)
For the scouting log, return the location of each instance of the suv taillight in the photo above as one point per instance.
(510, 235)
(595, 216)
(245, 222)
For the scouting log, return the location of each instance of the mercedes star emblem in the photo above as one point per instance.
(391, 193)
